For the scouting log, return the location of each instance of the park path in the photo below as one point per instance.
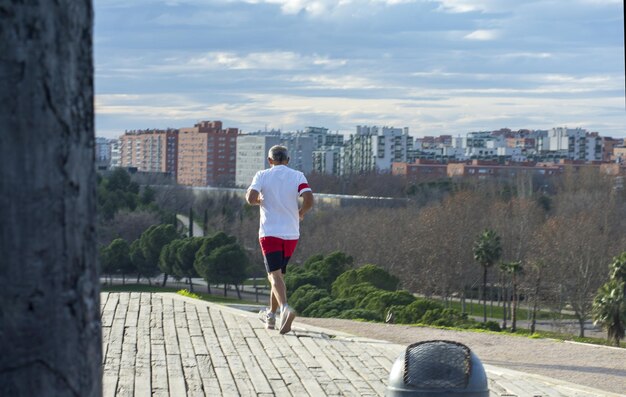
(164, 344)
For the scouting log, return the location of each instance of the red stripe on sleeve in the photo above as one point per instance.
(303, 186)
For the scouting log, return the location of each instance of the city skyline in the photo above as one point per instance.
(435, 66)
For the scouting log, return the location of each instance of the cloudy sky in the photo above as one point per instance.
(435, 66)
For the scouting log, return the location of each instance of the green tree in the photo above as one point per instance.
(147, 195)
(226, 264)
(117, 256)
(618, 268)
(186, 255)
(152, 242)
(190, 222)
(609, 309)
(487, 251)
(209, 243)
(137, 259)
(168, 258)
(513, 269)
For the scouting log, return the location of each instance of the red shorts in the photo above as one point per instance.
(277, 252)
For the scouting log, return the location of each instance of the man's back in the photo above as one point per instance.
(280, 188)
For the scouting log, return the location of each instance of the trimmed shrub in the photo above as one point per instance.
(327, 307)
(305, 295)
(443, 318)
(360, 314)
(380, 300)
(413, 312)
(489, 325)
(293, 281)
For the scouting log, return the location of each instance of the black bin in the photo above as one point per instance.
(437, 368)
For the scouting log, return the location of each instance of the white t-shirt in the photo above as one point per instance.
(280, 187)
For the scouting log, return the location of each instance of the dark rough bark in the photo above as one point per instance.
(50, 333)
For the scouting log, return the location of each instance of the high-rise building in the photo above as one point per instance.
(375, 149)
(116, 156)
(300, 147)
(252, 153)
(149, 150)
(103, 153)
(328, 160)
(572, 144)
(207, 155)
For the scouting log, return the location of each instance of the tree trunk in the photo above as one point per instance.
(138, 278)
(208, 288)
(514, 309)
(463, 303)
(190, 285)
(505, 295)
(225, 289)
(50, 335)
(533, 321)
(190, 222)
(238, 292)
(485, 294)
(581, 325)
(164, 279)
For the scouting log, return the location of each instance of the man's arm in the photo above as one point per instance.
(253, 197)
(307, 203)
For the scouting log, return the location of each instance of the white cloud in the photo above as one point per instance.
(482, 35)
(337, 82)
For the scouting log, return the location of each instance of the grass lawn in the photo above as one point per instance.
(155, 288)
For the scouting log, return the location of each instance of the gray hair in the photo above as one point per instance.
(278, 153)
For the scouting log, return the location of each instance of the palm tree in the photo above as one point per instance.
(513, 268)
(609, 310)
(487, 251)
(618, 269)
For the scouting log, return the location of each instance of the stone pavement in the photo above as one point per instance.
(169, 345)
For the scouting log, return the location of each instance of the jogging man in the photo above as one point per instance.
(277, 190)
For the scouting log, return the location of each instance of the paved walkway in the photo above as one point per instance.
(170, 345)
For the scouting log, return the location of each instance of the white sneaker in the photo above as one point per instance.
(268, 318)
(286, 318)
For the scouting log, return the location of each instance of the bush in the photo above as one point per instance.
(378, 277)
(360, 314)
(329, 268)
(413, 313)
(293, 281)
(380, 300)
(375, 276)
(489, 325)
(443, 318)
(327, 308)
(304, 296)
(357, 293)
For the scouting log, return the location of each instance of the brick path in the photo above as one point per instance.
(170, 345)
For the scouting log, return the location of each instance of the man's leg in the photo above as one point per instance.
(279, 291)
(274, 305)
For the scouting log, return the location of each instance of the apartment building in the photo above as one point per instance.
(375, 149)
(300, 146)
(328, 160)
(103, 153)
(116, 156)
(149, 150)
(207, 155)
(252, 153)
